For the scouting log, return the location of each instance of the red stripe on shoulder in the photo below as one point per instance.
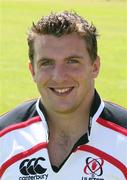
(20, 156)
(105, 156)
(20, 125)
(113, 126)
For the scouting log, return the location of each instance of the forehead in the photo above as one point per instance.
(65, 45)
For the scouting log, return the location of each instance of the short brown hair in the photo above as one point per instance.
(61, 23)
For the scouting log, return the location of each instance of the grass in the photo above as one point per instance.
(16, 17)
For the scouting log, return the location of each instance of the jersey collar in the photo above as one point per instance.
(95, 111)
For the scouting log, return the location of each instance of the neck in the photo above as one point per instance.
(70, 124)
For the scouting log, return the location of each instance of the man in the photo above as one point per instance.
(69, 133)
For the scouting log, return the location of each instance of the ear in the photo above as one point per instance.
(96, 67)
(31, 68)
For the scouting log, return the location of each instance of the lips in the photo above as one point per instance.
(62, 91)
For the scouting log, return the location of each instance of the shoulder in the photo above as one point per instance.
(115, 114)
(21, 113)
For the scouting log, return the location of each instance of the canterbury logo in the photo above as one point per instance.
(32, 166)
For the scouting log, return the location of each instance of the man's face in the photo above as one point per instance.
(63, 72)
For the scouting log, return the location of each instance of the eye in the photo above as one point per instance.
(72, 61)
(46, 62)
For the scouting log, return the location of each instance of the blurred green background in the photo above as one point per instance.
(16, 17)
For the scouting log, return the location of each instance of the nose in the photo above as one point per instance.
(59, 73)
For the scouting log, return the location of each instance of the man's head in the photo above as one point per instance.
(59, 24)
(64, 61)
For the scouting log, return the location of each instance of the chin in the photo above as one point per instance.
(64, 110)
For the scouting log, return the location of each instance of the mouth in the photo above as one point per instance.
(62, 91)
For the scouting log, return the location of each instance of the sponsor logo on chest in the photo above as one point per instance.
(35, 169)
(32, 169)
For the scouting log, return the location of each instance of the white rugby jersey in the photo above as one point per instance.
(99, 155)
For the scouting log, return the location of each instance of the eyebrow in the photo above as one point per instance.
(45, 58)
(74, 56)
(68, 57)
